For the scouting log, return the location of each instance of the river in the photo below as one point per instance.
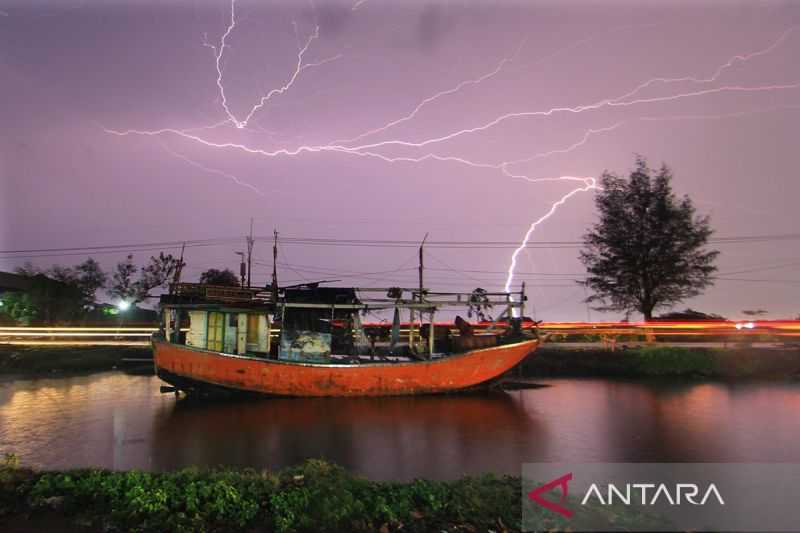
(120, 421)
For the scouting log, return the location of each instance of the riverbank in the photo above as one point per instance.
(562, 360)
(47, 360)
(551, 360)
(315, 496)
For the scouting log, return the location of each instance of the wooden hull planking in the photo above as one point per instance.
(185, 366)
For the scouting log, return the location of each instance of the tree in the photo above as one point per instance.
(213, 276)
(158, 273)
(28, 270)
(648, 249)
(89, 277)
(123, 285)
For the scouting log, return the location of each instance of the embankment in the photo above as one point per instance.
(45, 360)
(665, 361)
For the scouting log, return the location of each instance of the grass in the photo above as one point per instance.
(674, 361)
(314, 496)
(666, 361)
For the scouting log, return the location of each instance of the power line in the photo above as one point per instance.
(377, 243)
(364, 243)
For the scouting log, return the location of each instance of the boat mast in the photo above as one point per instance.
(275, 267)
(250, 242)
(421, 265)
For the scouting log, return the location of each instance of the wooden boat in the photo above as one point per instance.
(230, 344)
(193, 369)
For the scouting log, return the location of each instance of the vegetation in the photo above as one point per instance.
(65, 294)
(647, 251)
(45, 301)
(315, 496)
(666, 361)
(159, 272)
(226, 277)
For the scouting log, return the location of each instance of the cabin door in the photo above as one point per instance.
(216, 331)
(252, 332)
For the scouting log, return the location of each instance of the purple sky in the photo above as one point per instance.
(71, 71)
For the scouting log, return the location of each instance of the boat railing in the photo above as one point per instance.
(370, 298)
(220, 293)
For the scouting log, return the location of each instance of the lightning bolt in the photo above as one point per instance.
(374, 150)
(433, 98)
(211, 170)
(577, 109)
(589, 184)
(742, 58)
(219, 52)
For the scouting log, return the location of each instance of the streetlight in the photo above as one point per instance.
(123, 305)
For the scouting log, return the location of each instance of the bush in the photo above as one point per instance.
(314, 496)
(672, 361)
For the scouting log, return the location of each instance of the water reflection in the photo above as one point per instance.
(385, 438)
(114, 420)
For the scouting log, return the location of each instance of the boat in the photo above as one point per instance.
(309, 341)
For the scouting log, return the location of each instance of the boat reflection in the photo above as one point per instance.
(382, 438)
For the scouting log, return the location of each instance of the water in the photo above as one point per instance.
(120, 421)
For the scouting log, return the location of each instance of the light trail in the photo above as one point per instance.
(589, 184)
(775, 329)
(143, 344)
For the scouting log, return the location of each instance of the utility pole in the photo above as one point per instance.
(411, 339)
(421, 266)
(177, 278)
(275, 266)
(249, 253)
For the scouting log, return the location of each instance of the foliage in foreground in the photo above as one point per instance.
(315, 496)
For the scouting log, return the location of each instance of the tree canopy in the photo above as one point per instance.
(213, 276)
(64, 293)
(648, 249)
(156, 274)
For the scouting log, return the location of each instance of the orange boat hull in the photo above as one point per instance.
(191, 368)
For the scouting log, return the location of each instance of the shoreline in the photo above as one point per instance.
(550, 360)
(664, 361)
(54, 361)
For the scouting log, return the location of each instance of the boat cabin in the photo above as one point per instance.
(309, 323)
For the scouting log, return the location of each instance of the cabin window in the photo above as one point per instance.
(252, 329)
(216, 331)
